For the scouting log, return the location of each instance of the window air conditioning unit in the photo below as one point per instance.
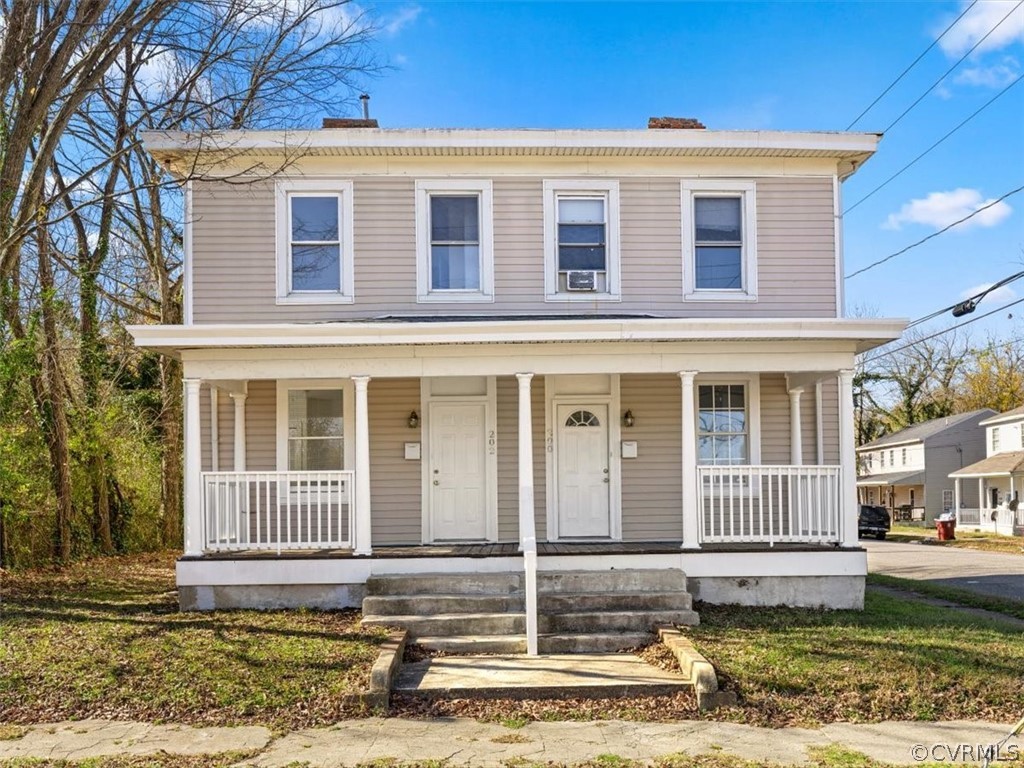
(581, 280)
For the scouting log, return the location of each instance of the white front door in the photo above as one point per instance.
(457, 475)
(583, 471)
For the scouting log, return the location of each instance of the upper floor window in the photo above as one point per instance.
(1021, 430)
(581, 240)
(995, 439)
(719, 241)
(453, 240)
(314, 242)
(882, 463)
(903, 456)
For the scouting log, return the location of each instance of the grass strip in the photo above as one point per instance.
(952, 594)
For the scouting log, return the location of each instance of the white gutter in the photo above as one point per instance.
(867, 333)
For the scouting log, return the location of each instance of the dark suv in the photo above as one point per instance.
(873, 521)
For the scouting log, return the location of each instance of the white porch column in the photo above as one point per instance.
(819, 425)
(691, 501)
(957, 496)
(361, 534)
(847, 462)
(982, 502)
(796, 438)
(214, 429)
(239, 399)
(193, 488)
(527, 522)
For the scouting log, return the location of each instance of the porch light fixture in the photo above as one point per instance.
(414, 420)
(627, 419)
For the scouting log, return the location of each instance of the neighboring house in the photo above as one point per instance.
(508, 351)
(999, 476)
(908, 471)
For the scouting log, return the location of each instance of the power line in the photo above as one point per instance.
(934, 234)
(957, 64)
(912, 65)
(940, 333)
(937, 143)
(969, 300)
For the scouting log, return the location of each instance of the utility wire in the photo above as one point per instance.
(923, 240)
(912, 65)
(937, 143)
(975, 299)
(957, 64)
(940, 333)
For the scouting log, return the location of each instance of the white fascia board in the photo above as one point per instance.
(374, 140)
(867, 334)
(886, 446)
(992, 421)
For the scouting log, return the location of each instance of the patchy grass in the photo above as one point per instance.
(966, 597)
(163, 760)
(105, 638)
(986, 542)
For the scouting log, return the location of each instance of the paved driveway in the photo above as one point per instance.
(990, 573)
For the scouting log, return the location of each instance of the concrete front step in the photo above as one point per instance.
(627, 580)
(405, 605)
(452, 624)
(595, 642)
(445, 584)
(470, 644)
(565, 602)
(612, 621)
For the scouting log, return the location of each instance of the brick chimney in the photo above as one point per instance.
(675, 123)
(349, 122)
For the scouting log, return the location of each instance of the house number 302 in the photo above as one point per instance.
(492, 442)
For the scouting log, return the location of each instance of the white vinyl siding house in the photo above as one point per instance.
(989, 490)
(607, 350)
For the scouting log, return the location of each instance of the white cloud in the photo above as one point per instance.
(940, 209)
(982, 17)
(1001, 294)
(995, 76)
(401, 58)
(401, 19)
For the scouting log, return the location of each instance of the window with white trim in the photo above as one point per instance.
(316, 430)
(947, 500)
(454, 246)
(903, 456)
(882, 454)
(719, 241)
(723, 435)
(314, 242)
(581, 240)
(995, 439)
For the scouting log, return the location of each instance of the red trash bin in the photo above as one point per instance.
(946, 529)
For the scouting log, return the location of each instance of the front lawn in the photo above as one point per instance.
(104, 638)
(985, 542)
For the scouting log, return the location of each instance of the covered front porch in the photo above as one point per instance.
(1000, 479)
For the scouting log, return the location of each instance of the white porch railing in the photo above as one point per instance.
(277, 510)
(968, 517)
(1003, 521)
(769, 504)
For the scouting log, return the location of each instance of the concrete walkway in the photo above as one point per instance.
(467, 742)
(592, 674)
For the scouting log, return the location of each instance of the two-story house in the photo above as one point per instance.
(999, 478)
(532, 358)
(908, 471)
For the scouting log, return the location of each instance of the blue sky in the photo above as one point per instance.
(761, 65)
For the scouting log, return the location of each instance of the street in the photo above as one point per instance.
(988, 573)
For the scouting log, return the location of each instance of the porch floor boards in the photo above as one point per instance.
(511, 549)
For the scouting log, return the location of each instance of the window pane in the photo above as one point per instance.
(705, 450)
(581, 257)
(588, 234)
(729, 421)
(315, 455)
(706, 421)
(454, 219)
(314, 218)
(736, 398)
(316, 268)
(704, 396)
(455, 267)
(718, 219)
(315, 413)
(719, 267)
(586, 211)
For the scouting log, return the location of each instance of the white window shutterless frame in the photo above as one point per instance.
(455, 241)
(711, 241)
(315, 245)
(561, 254)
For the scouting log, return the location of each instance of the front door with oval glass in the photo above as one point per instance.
(456, 471)
(583, 472)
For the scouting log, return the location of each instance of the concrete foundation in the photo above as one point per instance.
(269, 597)
(835, 592)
